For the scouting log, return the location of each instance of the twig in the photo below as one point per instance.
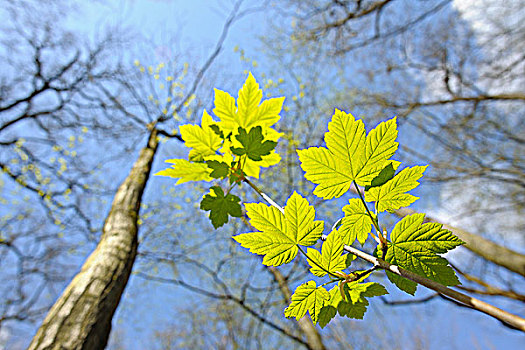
(511, 320)
(230, 297)
(409, 301)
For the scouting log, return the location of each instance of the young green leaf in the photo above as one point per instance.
(383, 177)
(346, 139)
(402, 283)
(330, 258)
(349, 156)
(246, 115)
(248, 102)
(185, 171)
(359, 291)
(346, 308)
(307, 297)
(221, 206)
(253, 145)
(226, 110)
(414, 246)
(356, 303)
(276, 246)
(300, 224)
(280, 234)
(391, 196)
(326, 314)
(202, 140)
(250, 112)
(380, 146)
(356, 223)
(220, 169)
(268, 112)
(350, 310)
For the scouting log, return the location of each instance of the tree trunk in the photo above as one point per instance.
(81, 317)
(313, 337)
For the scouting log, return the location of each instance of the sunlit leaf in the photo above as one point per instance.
(185, 171)
(330, 259)
(202, 140)
(349, 156)
(280, 234)
(307, 297)
(414, 246)
(356, 223)
(392, 195)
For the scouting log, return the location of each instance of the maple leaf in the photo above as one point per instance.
(330, 260)
(356, 223)
(414, 246)
(220, 169)
(202, 139)
(391, 195)
(220, 206)
(249, 113)
(350, 155)
(355, 304)
(253, 145)
(185, 171)
(281, 234)
(307, 297)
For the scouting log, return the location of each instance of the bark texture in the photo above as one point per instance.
(313, 337)
(81, 317)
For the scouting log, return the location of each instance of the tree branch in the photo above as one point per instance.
(488, 250)
(505, 317)
(230, 297)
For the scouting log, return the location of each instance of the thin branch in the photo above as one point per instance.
(218, 47)
(409, 301)
(489, 289)
(230, 297)
(505, 317)
(264, 195)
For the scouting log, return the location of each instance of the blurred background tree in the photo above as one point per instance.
(77, 107)
(453, 73)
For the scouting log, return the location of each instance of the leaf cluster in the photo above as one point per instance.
(235, 146)
(242, 142)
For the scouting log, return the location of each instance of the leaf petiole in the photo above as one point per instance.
(379, 239)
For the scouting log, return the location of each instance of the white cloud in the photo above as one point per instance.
(499, 27)
(4, 337)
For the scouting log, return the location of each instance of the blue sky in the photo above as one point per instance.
(200, 25)
(147, 306)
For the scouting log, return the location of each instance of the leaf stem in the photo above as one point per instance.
(511, 320)
(264, 195)
(332, 281)
(232, 186)
(379, 239)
